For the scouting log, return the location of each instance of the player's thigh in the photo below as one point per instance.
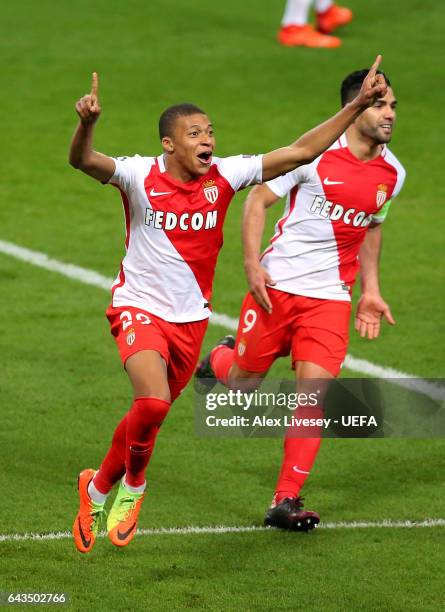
(184, 342)
(262, 337)
(147, 371)
(143, 349)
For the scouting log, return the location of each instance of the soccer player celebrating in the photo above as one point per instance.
(174, 205)
(300, 287)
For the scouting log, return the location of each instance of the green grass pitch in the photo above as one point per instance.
(62, 389)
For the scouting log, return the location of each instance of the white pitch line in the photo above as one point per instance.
(220, 529)
(90, 277)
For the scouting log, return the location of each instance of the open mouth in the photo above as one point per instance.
(205, 157)
(387, 127)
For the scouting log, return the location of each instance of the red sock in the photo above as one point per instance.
(144, 420)
(221, 360)
(299, 455)
(113, 466)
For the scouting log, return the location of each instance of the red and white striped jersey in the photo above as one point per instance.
(174, 233)
(330, 204)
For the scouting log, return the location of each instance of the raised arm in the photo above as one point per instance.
(259, 198)
(313, 143)
(82, 156)
(371, 307)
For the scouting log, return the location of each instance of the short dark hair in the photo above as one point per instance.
(352, 83)
(168, 118)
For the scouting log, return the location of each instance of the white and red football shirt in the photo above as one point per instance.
(330, 204)
(174, 233)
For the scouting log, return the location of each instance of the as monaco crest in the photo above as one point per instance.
(131, 337)
(381, 194)
(211, 191)
(241, 348)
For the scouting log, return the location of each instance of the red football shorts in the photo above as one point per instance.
(307, 328)
(178, 343)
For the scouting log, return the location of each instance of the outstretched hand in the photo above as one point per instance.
(88, 107)
(370, 310)
(373, 87)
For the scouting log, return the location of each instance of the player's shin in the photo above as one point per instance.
(144, 420)
(221, 360)
(301, 446)
(113, 466)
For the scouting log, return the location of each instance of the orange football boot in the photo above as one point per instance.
(306, 36)
(87, 521)
(333, 18)
(123, 517)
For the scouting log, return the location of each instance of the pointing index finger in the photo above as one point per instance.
(375, 65)
(94, 85)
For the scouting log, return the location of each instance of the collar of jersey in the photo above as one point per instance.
(172, 182)
(344, 145)
(376, 160)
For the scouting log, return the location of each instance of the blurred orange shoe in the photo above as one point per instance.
(333, 18)
(87, 521)
(123, 518)
(306, 36)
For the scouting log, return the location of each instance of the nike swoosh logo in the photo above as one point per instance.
(85, 542)
(297, 469)
(125, 534)
(154, 193)
(328, 182)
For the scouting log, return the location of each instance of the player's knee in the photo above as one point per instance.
(160, 391)
(243, 380)
(245, 385)
(151, 411)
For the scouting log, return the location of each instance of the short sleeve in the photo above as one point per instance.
(125, 172)
(242, 170)
(281, 185)
(380, 216)
(400, 181)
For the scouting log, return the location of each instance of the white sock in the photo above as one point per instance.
(296, 12)
(96, 496)
(137, 490)
(323, 5)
